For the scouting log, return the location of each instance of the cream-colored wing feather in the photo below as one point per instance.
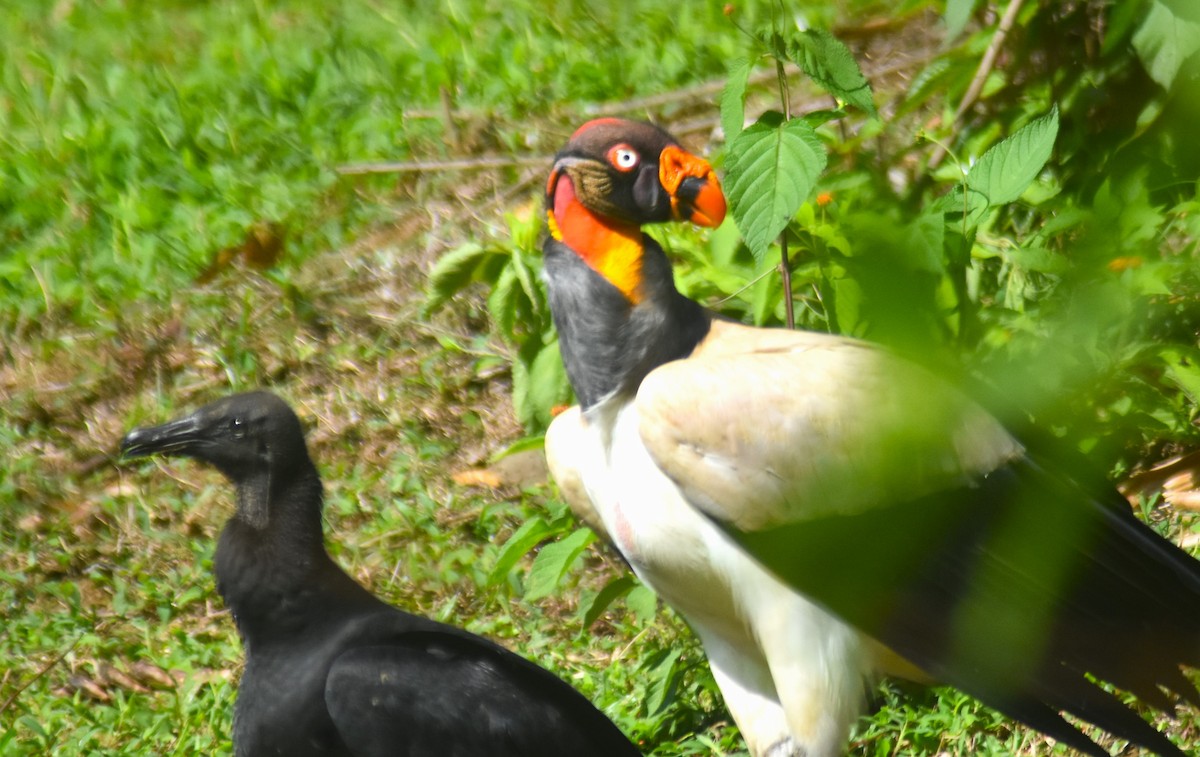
(763, 427)
(569, 449)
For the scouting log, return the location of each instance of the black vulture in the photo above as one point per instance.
(331, 670)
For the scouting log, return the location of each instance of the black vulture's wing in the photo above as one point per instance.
(442, 694)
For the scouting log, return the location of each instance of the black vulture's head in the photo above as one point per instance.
(254, 439)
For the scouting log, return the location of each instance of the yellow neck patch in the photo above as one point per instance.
(612, 250)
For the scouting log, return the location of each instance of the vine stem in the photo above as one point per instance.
(785, 271)
(981, 74)
(785, 267)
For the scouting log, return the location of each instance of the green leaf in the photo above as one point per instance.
(1164, 41)
(828, 61)
(1038, 258)
(963, 204)
(723, 245)
(1184, 370)
(612, 591)
(733, 99)
(553, 562)
(502, 301)
(32, 724)
(520, 394)
(1005, 170)
(1188, 9)
(662, 681)
(548, 385)
(518, 545)
(769, 172)
(524, 275)
(524, 444)
(929, 81)
(958, 13)
(452, 272)
(923, 242)
(643, 602)
(766, 296)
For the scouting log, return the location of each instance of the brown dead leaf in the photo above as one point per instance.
(154, 676)
(1183, 491)
(480, 477)
(261, 249)
(87, 687)
(520, 469)
(111, 676)
(1177, 478)
(120, 489)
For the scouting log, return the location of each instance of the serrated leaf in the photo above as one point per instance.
(1005, 170)
(643, 602)
(928, 78)
(828, 61)
(521, 269)
(770, 170)
(520, 394)
(612, 591)
(518, 545)
(662, 681)
(958, 13)
(502, 305)
(818, 118)
(452, 272)
(1183, 371)
(553, 562)
(548, 384)
(962, 205)
(1164, 41)
(775, 42)
(733, 99)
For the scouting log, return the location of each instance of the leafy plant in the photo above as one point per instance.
(518, 309)
(773, 165)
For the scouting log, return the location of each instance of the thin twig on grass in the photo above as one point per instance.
(460, 164)
(43, 671)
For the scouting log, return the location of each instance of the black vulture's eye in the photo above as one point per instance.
(237, 428)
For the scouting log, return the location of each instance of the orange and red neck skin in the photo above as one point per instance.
(615, 175)
(610, 247)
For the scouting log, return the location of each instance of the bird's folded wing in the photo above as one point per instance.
(763, 427)
(878, 490)
(438, 693)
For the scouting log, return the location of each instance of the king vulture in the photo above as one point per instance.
(822, 511)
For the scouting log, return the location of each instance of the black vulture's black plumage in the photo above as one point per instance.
(330, 669)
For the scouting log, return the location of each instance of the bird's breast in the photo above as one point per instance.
(672, 547)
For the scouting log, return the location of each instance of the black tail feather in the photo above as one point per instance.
(1024, 589)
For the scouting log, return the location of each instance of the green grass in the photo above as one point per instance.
(136, 139)
(139, 139)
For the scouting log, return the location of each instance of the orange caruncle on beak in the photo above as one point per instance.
(693, 186)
